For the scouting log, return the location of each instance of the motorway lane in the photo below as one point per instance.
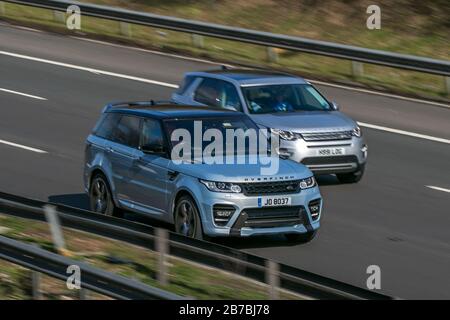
(374, 109)
(389, 219)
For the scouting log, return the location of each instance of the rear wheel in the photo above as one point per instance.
(301, 237)
(351, 177)
(187, 218)
(100, 197)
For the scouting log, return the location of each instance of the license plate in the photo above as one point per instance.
(274, 201)
(331, 151)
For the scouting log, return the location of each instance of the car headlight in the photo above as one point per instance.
(357, 132)
(308, 183)
(222, 186)
(285, 135)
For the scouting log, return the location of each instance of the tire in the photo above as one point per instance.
(100, 196)
(187, 218)
(301, 237)
(352, 177)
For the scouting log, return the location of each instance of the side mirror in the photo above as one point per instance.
(334, 106)
(156, 149)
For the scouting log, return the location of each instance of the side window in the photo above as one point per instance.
(105, 127)
(208, 92)
(313, 98)
(127, 131)
(152, 133)
(217, 93)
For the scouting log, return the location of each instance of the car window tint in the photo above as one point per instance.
(152, 133)
(218, 93)
(105, 127)
(127, 131)
(312, 97)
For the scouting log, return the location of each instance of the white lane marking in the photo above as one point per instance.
(438, 188)
(92, 70)
(171, 85)
(380, 93)
(403, 132)
(22, 94)
(12, 144)
(231, 66)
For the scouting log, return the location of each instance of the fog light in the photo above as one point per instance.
(222, 214)
(314, 208)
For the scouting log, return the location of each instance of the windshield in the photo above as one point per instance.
(284, 98)
(223, 131)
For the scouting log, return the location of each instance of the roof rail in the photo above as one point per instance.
(125, 104)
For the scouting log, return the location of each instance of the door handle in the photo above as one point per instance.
(172, 174)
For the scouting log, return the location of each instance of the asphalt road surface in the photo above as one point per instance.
(50, 98)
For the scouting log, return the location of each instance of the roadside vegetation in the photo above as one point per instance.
(407, 27)
(185, 278)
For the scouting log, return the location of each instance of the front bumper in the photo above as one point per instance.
(306, 152)
(246, 220)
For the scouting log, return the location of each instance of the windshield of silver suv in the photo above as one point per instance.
(284, 98)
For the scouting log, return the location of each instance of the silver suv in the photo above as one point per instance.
(311, 128)
(129, 165)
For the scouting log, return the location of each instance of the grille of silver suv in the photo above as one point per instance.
(327, 136)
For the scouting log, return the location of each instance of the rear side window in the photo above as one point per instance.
(218, 93)
(127, 131)
(105, 127)
(152, 133)
(185, 85)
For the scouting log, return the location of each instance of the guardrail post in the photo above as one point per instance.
(55, 229)
(357, 69)
(59, 16)
(2, 8)
(272, 54)
(125, 29)
(162, 247)
(84, 294)
(36, 285)
(447, 85)
(198, 41)
(273, 279)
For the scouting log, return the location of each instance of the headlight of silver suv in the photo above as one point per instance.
(308, 183)
(221, 186)
(357, 132)
(286, 135)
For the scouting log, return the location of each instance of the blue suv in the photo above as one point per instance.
(129, 165)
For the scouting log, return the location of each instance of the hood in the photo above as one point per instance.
(228, 172)
(307, 121)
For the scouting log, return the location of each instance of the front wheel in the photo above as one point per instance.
(187, 218)
(100, 198)
(301, 237)
(351, 177)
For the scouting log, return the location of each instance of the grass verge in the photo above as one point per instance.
(185, 278)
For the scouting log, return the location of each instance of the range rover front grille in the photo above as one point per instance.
(327, 136)
(273, 187)
(273, 217)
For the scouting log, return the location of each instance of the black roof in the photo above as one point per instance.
(169, 111)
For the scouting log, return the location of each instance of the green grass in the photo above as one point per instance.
(185, 278)
(256, 14)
